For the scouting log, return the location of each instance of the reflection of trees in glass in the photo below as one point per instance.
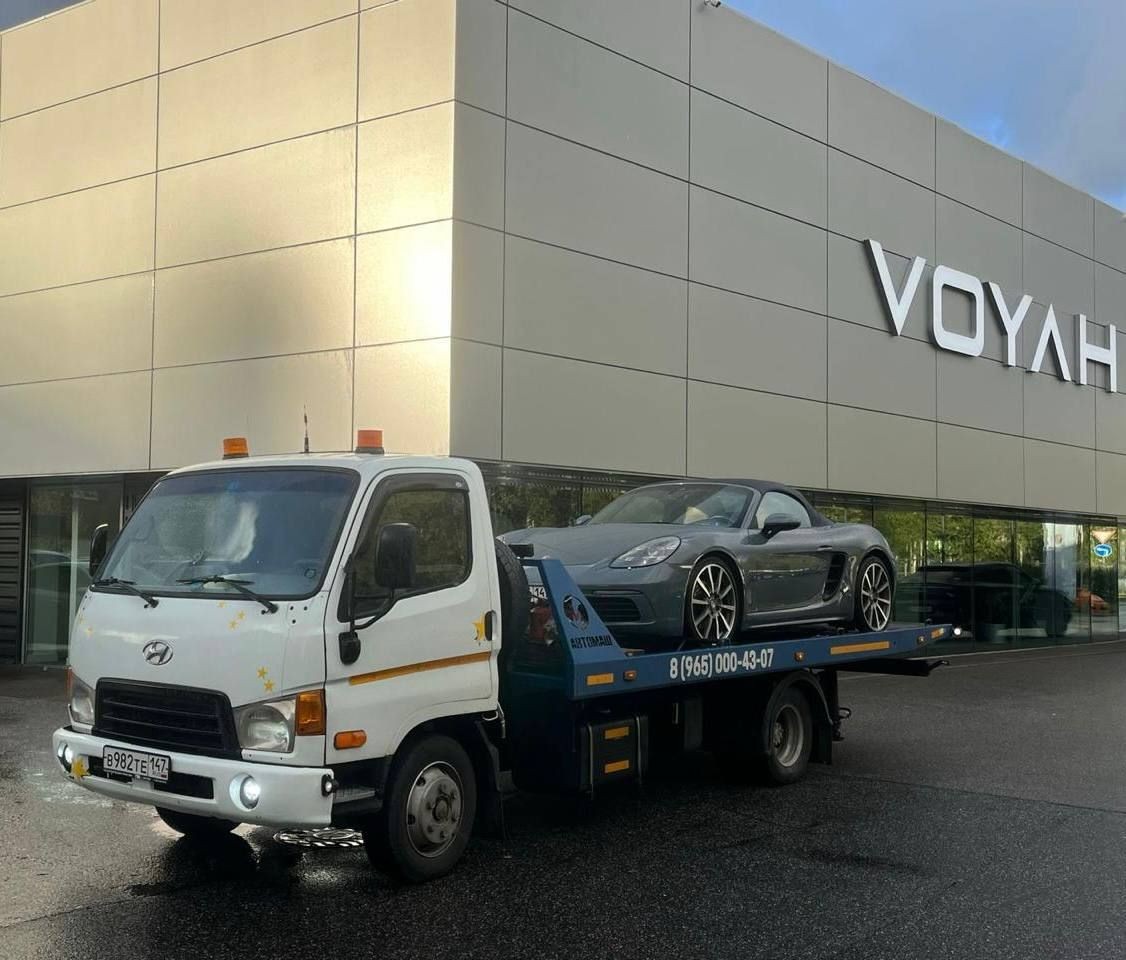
(904, 531)
(949, 538)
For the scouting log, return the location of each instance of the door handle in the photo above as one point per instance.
(825, 546)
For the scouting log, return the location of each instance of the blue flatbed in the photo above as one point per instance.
(582, 710)
(596, 665)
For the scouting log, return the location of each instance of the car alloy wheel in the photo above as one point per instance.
(875, 595)
(712, 604)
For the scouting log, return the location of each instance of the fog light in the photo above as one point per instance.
(957, 631)
(68, 754)
(249, 792)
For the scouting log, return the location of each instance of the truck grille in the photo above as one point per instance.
(172, 718)
(615, 609)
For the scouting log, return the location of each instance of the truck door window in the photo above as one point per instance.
(443, 555)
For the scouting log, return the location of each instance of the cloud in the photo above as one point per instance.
(1041, 79)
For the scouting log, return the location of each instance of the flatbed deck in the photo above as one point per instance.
(596, 665)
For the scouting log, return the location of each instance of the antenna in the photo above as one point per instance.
(305, 413)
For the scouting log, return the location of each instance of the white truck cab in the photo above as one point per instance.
(267, 633)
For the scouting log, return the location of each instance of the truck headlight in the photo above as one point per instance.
(267, 726)
(80, 704)
(649, 553)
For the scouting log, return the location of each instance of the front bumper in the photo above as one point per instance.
(656, 593)
(290, 796)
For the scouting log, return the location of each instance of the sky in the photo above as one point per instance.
(1044, 80)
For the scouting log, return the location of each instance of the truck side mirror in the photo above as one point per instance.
(99, 543)
(395, 551)
(777, 522)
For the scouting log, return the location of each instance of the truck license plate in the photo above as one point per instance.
(133, 763)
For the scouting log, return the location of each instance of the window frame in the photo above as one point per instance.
(789, 496)
(384, 491)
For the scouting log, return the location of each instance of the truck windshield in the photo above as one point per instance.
(272, 528)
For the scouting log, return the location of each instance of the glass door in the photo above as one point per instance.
(61, 520)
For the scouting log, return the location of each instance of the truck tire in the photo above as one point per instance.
(428, 812)
(789, 736)
(514, 596)
(194, 826)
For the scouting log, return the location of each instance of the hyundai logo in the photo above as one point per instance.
(157, 652)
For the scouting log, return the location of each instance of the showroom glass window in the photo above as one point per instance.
(62, 518)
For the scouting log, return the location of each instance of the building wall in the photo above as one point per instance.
(621, 237)
(215, 216)
(685, 289)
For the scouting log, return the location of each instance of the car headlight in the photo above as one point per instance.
(80, 704)
(267, 726)
(649, 553)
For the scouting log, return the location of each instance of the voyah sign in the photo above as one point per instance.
(972, 344)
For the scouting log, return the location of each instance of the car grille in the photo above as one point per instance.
(615, 609)
(172, 718)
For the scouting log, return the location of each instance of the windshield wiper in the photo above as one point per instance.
(129, 586)
(239, 585)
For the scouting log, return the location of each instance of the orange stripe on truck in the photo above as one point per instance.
(420, 667)
(861, 647)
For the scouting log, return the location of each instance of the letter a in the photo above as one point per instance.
(897, 306)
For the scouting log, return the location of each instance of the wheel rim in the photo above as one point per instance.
(787, 737)
(875, 596)
(712, 602)
(434, 807)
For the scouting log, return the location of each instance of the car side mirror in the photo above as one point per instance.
(777, 522)
(395, 551)
(579, 521)
(99, 543)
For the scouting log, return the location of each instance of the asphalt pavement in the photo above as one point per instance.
(980, 813)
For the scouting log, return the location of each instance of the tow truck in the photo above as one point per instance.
(339, 640)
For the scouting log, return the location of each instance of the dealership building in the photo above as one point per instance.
(584, 243)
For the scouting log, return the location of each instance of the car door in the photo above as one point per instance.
(428, 650)
(787, 570)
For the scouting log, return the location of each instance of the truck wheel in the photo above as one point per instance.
(789, 732)
(428, 813)
(514, 596)
(192, 825)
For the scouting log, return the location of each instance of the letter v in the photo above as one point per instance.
(897, 306)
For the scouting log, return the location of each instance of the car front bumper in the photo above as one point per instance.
(656, 594)
(289, 796)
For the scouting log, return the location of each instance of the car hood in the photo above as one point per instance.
(603, 542)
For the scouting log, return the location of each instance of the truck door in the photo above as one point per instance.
(424, 648)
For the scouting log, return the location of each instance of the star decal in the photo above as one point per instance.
(269, 686)
(241, 615)
(262, 671)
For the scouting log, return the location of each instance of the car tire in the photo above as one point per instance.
(428, 811)
(713, 602)
(515, 603)
(194, 826)
(874, 595)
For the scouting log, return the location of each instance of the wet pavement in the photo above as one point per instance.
(980, 813)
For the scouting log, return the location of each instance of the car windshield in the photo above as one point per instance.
(717, 504)
(272, 529)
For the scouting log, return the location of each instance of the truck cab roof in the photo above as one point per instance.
(366, 464)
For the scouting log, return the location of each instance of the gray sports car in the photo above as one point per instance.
(710, 559)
